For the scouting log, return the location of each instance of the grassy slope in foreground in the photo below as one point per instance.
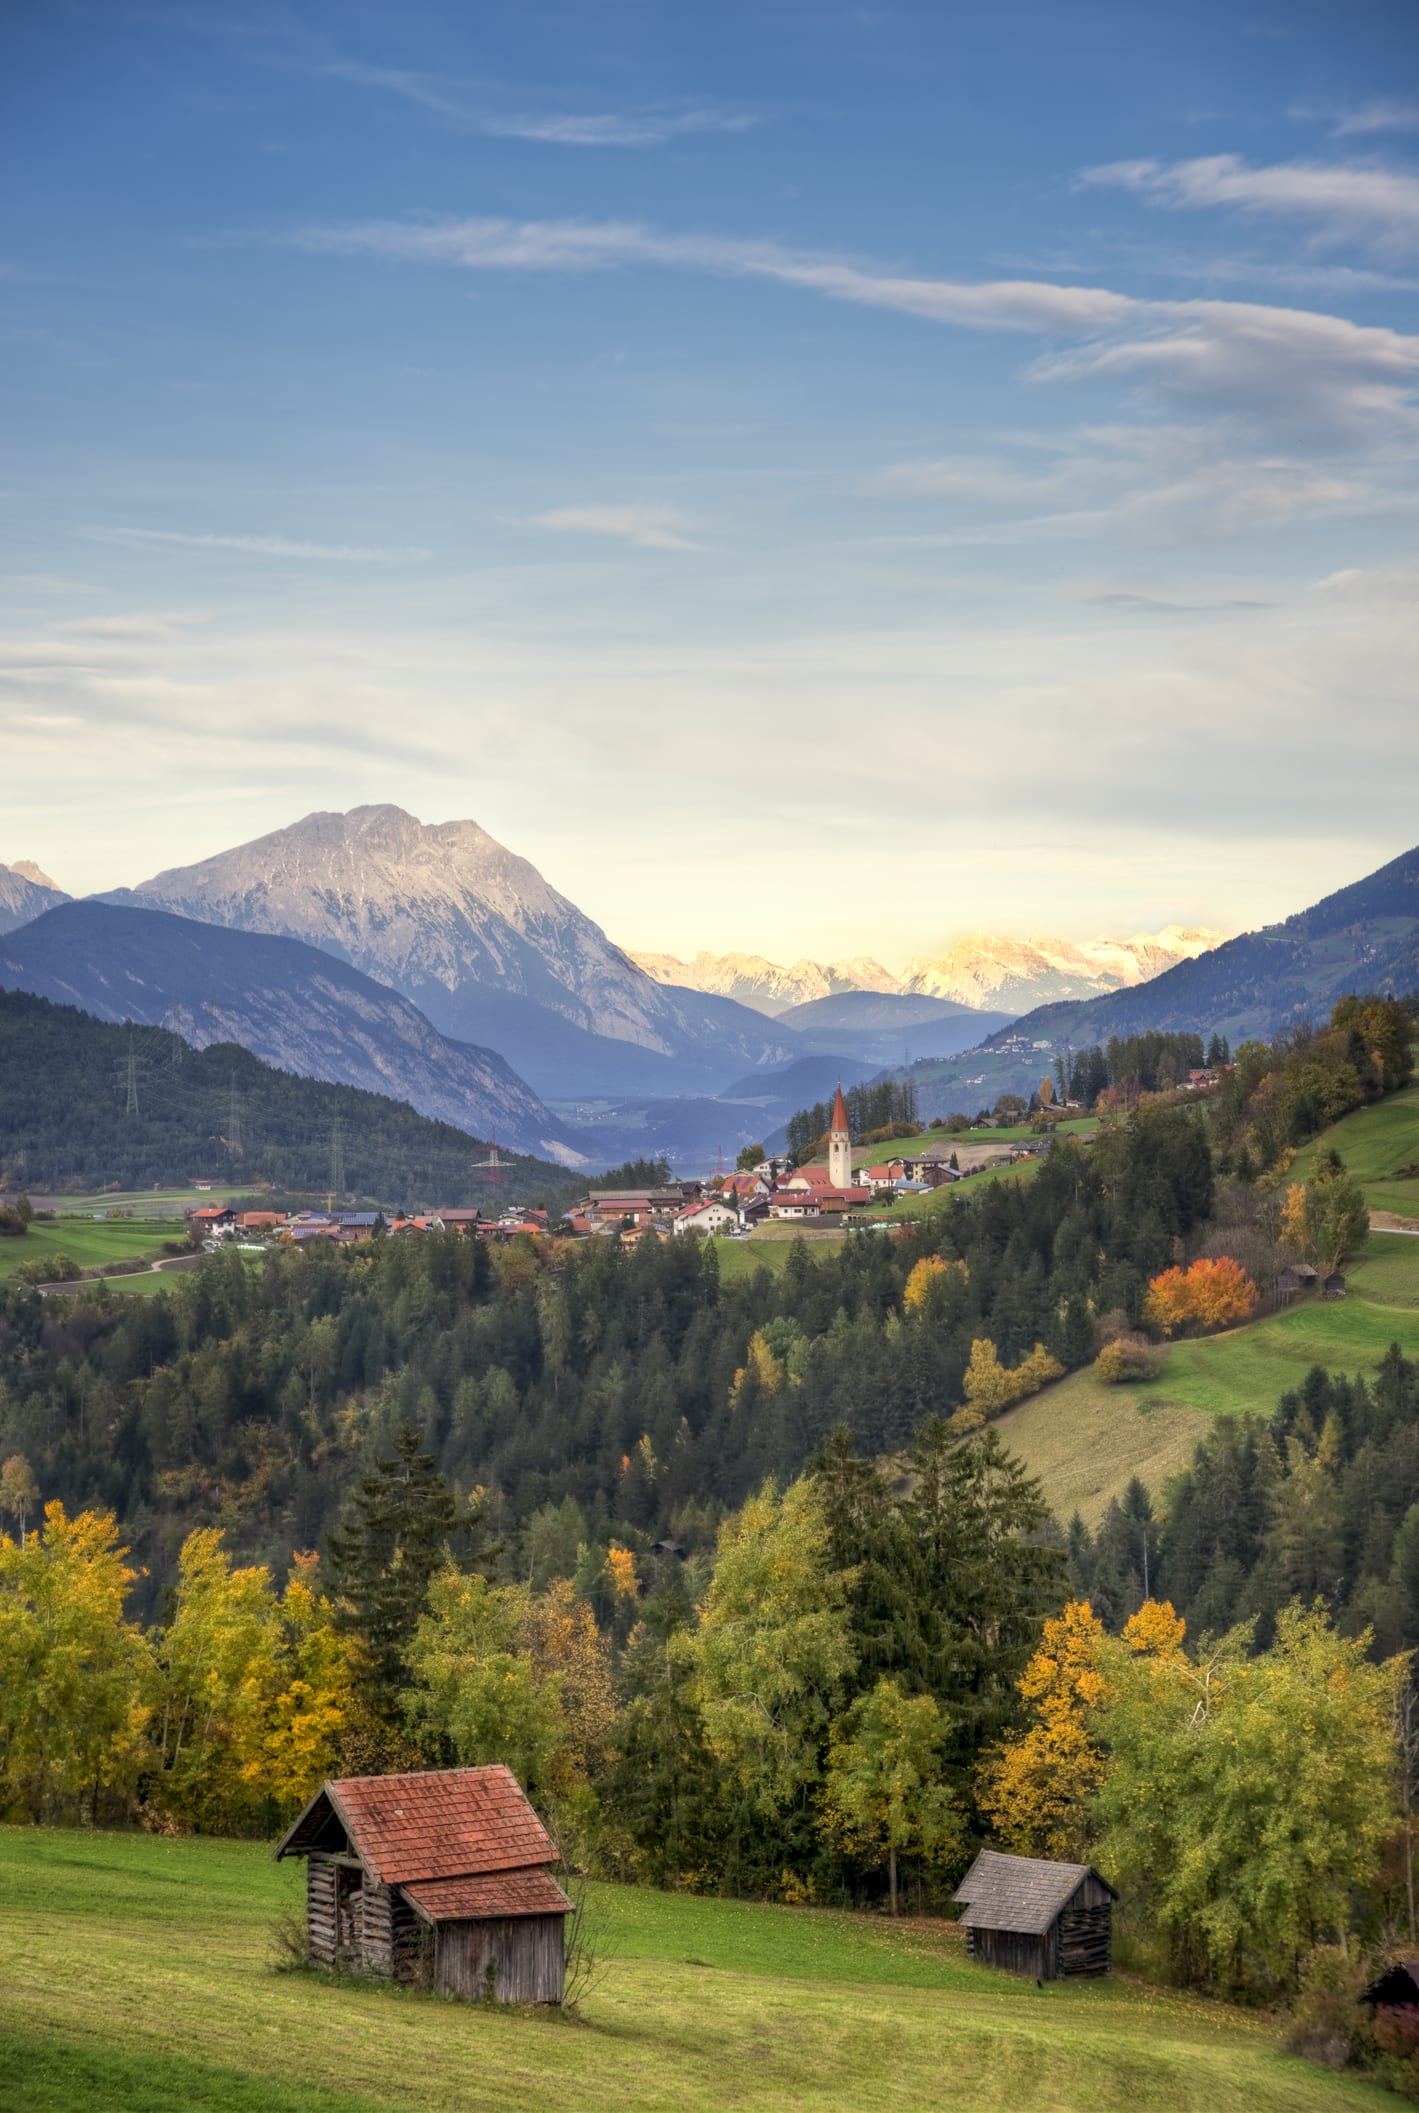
(1086, 1441)
(91, 1242)
(133, 1975)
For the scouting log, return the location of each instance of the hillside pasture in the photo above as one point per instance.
(93, 1242)
(1086, 1440)
(1375, 1144)
(135, 1974)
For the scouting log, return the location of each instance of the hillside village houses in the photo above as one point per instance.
(723, 1206)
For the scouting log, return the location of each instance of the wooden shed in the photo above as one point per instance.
(1036, 1917)
(444, 1876)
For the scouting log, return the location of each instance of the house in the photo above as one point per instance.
(1397, 1988)
(257, 1221)
(1035, 1917)
(706, 1218)
(445, 1875)
(1333, 1285)
(210, 1218)
(1295, 1278)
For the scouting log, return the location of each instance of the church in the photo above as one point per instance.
(823, 1192)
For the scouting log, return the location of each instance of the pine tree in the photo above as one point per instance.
(395, 1538)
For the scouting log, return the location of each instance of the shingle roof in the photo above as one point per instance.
(533, 1892)
(1019, 1893)
(445, 1823)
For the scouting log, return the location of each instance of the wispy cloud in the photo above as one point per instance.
(255, 546)
(1349, 197)
(1363, 120)
(648, 527)
(1341, 379)
(473, 107)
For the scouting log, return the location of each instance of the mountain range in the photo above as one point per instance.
(1363, 937)
(284, 1001)
(982, 970)
(26, 893)
(480, 942)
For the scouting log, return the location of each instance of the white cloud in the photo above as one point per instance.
(1385, 114)
(1339, 380)
(648, 527)
(255, 546)
(1351, 197)
(472, 107)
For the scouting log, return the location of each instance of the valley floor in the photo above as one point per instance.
(135, 1976)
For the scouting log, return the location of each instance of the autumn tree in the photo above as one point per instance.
(1215, 1292)
(1037, 1787)
(1330, 1219)
(474, 1695)
(19, 1491)
(1248, 1797)
(773, 1646)
(991, 1387)
(883, 1791)
(72, 1667)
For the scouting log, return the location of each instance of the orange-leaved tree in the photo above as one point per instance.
(1215, 1292)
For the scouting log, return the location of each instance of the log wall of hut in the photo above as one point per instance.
(521, 1959)
(1015, 1952)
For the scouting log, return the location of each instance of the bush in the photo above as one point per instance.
(49, 1269)
(1126, 1357)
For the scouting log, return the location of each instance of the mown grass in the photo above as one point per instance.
(1086, 1440)
(92, 1242)
(135, 1976)
(1375, 1143)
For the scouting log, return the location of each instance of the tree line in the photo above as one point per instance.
(876, 1105)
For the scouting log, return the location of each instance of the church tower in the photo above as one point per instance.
(840, 1146)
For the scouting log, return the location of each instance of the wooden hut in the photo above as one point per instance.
(443, 1875)
(1035, 1917)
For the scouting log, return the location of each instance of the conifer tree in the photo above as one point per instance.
(394, 1540)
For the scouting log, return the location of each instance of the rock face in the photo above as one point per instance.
(284, 1001)
(1011, 975)
(26, 893)
(468, 930)
(751, 980)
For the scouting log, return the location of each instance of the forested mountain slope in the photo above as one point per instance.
(287, 1003)
(1364, 937)
(219, 1111)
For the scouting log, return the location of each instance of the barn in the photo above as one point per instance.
(443, 1876)
(1036, 1917)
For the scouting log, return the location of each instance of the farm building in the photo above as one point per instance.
(444, 1875)
(1036, 1917)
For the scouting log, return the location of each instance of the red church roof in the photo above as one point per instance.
(840, 1121)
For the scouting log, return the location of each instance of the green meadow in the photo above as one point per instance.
(1086, 1440)
(92, 1242)
(1376, 1143)
(136, 1976)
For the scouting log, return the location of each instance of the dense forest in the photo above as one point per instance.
(88, 1105)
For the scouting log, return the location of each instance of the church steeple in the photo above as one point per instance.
(840, 1145)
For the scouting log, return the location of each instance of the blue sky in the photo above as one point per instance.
(815, 478)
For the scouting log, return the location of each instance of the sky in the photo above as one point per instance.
(814, 477)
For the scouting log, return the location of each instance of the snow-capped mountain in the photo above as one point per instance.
(1011, 975)
(479, 940)
(26, 893)
(752, 980)
(987, 970)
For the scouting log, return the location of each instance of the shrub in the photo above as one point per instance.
(1215, 1292)
(1126, 1357)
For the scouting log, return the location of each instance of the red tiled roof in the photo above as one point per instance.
(447, 1823)
(533, 1892)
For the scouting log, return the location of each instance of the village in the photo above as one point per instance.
(829, 1197)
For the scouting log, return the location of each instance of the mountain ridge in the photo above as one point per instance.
(26, 893)
(466, 929)
(286, 1002)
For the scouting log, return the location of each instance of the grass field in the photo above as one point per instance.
(92, 1242)
(1086, 1440)
(135, 1977)
(1375, 1143)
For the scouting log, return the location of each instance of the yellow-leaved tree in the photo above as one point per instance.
(1036, 1787)
(71, 1668)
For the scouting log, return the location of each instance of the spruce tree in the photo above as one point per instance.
(396, 1533)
